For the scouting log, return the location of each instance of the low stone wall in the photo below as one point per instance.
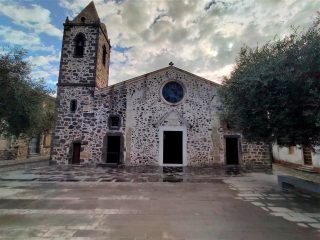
(13, 149)
(294, 165)
(256, 155)
(16, 149)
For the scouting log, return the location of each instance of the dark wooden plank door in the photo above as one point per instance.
(76, 153)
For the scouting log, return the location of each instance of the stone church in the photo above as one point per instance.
(168, 117)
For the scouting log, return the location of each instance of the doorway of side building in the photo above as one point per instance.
(113, 155)
(34, 146)
(232, 150)
(172, 147)
(76, 149)
(307, 158)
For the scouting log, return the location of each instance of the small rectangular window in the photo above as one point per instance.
(73, 105)
(114, 122)
(47, 140)
(291, 149)
(104, 55)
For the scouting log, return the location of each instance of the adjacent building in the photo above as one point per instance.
(307, 158)
(16, 148)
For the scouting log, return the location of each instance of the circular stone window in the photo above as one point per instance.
(173, 92)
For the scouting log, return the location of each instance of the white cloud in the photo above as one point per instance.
(220, 73)
(18, 37)
(75, 6)
(49, 75)
(202, 37)
(29, 41)
(118, 57)
(33, 17)
(46, 67)
(41, 61)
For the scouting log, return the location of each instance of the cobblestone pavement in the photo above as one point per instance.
(152, 204)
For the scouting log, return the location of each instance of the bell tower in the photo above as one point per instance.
(84, 67)
(85, 54)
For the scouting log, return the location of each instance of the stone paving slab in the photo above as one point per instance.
(294, 206)
(23, 164)
(139, 211)
(121, 174)
(23, 161)
(196, 204)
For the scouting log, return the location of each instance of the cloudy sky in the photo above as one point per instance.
(200, 36)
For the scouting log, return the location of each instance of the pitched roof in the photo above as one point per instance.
(138, 78)
(89, 13)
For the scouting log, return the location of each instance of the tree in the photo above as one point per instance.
(273, 93)
(25, 105)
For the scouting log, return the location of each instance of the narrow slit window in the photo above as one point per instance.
(104, 55)
(79, 45)
(73, 105)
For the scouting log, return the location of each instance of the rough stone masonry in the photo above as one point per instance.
(166, 117)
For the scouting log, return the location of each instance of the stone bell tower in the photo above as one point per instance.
(85, 54)
(84, 67)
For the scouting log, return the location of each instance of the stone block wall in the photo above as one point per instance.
(110, 102)
(146, 112)
(102, 70)
(78, 79)
(78, 70)
(142, 113)
(13, 148)
(256, 155)
(73, 126)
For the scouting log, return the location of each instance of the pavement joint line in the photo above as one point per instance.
(307, 220)
(68, 211)
(124, 198)
(80, 227)
(39, 198)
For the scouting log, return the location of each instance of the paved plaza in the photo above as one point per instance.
(152, 203)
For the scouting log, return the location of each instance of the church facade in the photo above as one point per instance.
(168, 117)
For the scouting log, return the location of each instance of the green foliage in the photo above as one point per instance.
(25, 104)
(273, 94)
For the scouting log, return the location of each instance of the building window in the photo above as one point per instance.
(47, 140)
(83, 19)
(79, 45)
(34, 145)
(73, 105)
(114, 122)
(291, 149)
(104, 55)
